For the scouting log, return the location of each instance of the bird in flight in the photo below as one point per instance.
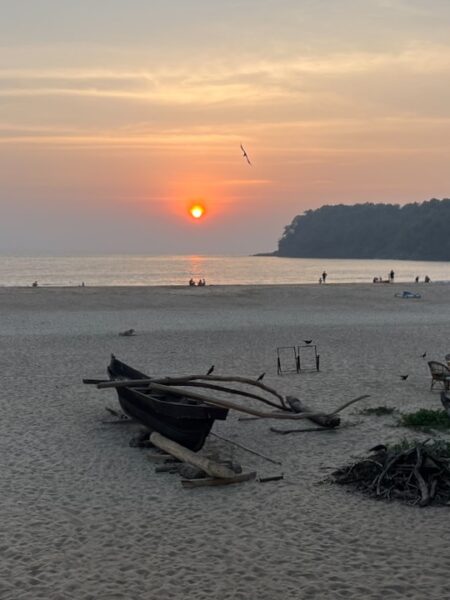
(245, 155)
(210, 370)
(307, 341)
(404, 377)
(260, 378)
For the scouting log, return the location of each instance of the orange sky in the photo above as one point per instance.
(112, 122)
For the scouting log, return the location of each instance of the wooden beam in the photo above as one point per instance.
(211, 467)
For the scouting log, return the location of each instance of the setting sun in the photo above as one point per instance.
(197, 211)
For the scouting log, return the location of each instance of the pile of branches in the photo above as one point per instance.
(417, 473)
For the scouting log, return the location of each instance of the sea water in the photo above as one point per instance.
(216, 270)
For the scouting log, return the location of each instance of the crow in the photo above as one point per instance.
(378, 448)
(424, 354)
(404, 377)
(210, 370)
(307, 341)
(260, 378)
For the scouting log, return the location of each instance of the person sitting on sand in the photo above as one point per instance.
(191, 282)
(34, 284)
(427, 279)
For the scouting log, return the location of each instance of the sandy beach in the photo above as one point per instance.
(84, 515)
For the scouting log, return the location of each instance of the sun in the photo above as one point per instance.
(197, 211)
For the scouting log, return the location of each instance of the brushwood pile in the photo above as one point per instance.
(415, 473)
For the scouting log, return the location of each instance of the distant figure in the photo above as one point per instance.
(375, 280)
(127, 332)
(34, 284)
(320, 280)
(82, 284)
(427, 279)
(261, 377)
(417, 279)
(391, 276)
(191, 282)
(201, 282)
(324, 276)
(210, 370)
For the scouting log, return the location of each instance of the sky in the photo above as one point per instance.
(116, 117)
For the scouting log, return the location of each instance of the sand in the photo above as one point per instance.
(84, 516)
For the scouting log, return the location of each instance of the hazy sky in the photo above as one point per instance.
(115, 116)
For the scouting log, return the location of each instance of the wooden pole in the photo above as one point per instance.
(180, 380)
(191, 483)
(272, 460)
(350, 402)
(211, 467)
(227, 404)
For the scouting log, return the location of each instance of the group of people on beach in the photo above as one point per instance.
(391, 277)
(200, 283)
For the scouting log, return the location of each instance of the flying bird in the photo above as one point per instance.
(404, 377)
(245, 155)
(307, 341)
(210, 370)
(260, 378)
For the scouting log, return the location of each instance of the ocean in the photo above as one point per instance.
(216, 270)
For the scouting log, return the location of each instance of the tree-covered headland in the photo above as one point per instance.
(419, 231)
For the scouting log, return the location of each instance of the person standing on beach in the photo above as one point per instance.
(324, 276)
(391, 276)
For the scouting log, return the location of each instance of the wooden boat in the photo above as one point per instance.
(179, 418)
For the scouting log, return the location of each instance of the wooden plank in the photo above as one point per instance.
(211, 467)
(213, 481)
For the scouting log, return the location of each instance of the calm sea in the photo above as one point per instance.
(218, 270)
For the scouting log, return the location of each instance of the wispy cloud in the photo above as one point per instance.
(260, 81)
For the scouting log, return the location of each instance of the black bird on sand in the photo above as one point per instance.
(404, 377)
(245, 155)
(210, 370)
(307, 341)
(378, 448)
(424, 354)
(260, 378)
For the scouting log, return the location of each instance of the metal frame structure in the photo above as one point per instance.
(298, 363)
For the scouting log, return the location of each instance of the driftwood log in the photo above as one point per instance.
(324, 420)
(212, 468)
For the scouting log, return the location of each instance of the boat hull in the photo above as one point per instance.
(181, 419)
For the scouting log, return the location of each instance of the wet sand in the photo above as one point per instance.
(84, 516)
